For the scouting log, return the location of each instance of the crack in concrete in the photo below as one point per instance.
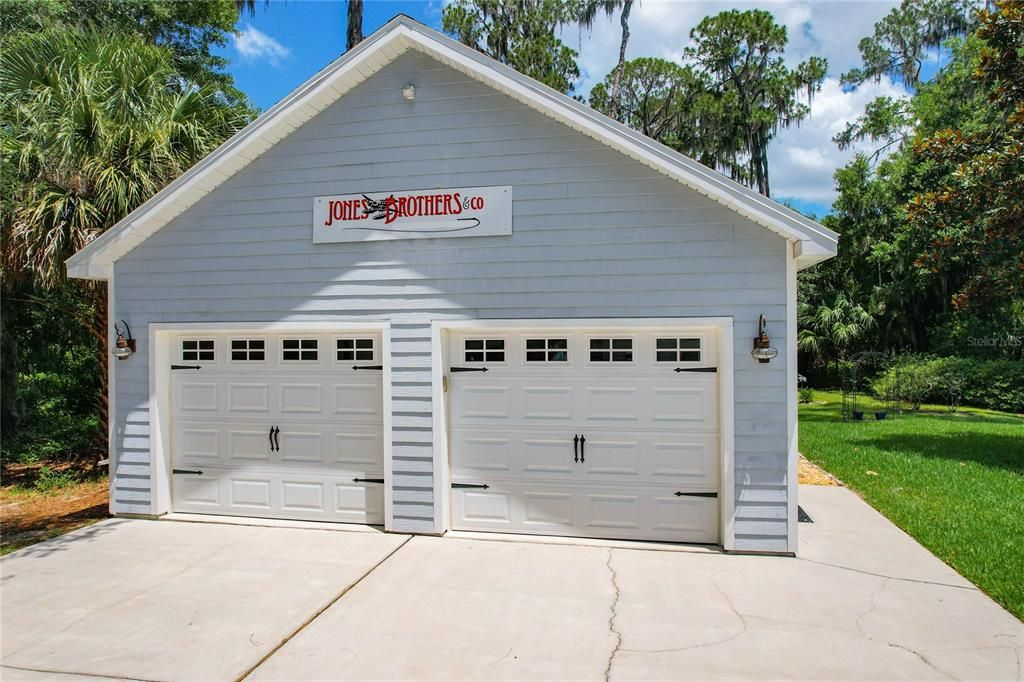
(71, 674)
(874, 605)
(971, 588)
(732, 606)
(507, 654)
(613, 614)
(924, 659)
(684, 648)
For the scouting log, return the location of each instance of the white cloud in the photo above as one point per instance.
(254, 46)
(802, 159)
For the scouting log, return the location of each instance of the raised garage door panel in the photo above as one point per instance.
(326, 415)
(651, 432)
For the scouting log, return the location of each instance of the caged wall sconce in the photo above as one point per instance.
(124, 345)
(763, 350)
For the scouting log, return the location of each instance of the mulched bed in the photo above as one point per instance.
(28, 516)
(812, 474)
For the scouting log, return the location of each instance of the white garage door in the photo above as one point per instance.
(283, 425)
(585, 433)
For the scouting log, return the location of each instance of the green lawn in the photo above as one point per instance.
(953, 481)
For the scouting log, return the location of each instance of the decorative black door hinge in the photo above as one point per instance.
(695, 369)
(679, 494)
(469, 369)
(471, 485)
(367, 480)
(186, 367)
(197, 472)
(367, 366)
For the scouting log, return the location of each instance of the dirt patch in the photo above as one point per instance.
(812, 474)
(28, 516)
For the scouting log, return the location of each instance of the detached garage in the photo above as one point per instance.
(427, 292)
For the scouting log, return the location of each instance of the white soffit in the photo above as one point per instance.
(813, 242)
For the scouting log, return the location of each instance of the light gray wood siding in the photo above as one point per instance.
(595, 235)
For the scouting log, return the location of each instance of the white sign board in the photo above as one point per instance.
(413, 214)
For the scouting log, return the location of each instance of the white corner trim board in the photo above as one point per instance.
(390, 41)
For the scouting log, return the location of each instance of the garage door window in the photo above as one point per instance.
(299, 349)
(547, 350)
(675, 349)
(485, 350)
(611, 350)
(248, 350)
(355, 349)
(197, 349)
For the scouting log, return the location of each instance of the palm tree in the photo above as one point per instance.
(354, 30)
(588, 13)
(248, 6)
(354, 24)
(94, 125)
(827, 331)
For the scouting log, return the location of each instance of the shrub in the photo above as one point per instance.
(914, 382)
(54, 429)
(993, 384)
(50, 479)
(806, 395)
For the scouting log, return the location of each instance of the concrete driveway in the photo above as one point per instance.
(177, 601)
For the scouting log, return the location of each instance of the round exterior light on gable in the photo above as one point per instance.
(123, 347)
(763, 350)
(409, 92)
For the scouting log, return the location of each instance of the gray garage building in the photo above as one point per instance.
(427, 292)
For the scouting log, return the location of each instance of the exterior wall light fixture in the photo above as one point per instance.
(763, 350)
(409, 92)
(124, 345)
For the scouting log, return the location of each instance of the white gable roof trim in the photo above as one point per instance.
(812, 242)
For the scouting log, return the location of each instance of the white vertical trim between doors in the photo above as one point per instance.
(439, 407)
(727, 430)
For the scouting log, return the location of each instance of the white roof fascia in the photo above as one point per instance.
(95, 260)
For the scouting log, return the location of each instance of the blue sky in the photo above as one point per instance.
(313, 35)
(288, 41)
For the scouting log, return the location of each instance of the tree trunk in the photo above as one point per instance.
(10, 405)
(759, 162)
(355, 24)
(617, 81)
(98, 328)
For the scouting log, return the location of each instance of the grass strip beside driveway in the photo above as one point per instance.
(954, 481)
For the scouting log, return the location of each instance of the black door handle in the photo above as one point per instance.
(583, 448)
(271, 437)
(277, 441)
(575, 446)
